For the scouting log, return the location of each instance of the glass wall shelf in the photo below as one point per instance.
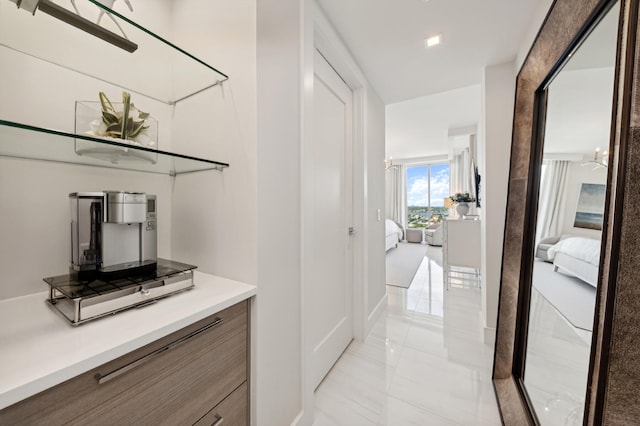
(24, 141)
(87, 37)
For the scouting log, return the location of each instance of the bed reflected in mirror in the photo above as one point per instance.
(571, 204)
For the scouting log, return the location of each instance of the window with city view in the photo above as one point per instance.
(427, 187)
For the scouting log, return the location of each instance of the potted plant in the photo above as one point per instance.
(462, 200)
(119, 122)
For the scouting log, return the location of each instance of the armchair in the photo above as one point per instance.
(433, 234)
(544, 245)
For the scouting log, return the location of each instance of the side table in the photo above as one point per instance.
(414, 235)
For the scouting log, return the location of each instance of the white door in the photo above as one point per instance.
(331, 274)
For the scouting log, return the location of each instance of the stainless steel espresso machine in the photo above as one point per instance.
(114, 264)
(113, 233)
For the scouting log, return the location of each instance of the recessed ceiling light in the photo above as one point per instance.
(433, 41)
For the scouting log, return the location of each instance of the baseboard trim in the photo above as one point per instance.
(300, 419)
(489, 336)
(375, 314)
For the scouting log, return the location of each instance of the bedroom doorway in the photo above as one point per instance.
(331, 279)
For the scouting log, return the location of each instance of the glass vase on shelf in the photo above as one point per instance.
(126, 140)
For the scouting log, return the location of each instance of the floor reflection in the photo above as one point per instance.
(426, 293)
(557, 364)
(424, 362)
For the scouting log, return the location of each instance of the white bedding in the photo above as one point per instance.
(577, 256)
(391, 228)
(585, 249)
(578, 268)
(393, 234)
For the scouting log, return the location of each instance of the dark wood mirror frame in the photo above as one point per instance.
(613, 390)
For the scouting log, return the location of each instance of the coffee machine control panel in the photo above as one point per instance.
(151, 213)
(150, 243)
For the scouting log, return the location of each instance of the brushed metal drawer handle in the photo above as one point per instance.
(218, 421)
(120, 371)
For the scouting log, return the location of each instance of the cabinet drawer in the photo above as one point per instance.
(230, 412)
(175, 380)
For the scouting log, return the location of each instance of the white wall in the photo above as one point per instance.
(215, 214)
(278, 321)
(494, 152)
(376, 282)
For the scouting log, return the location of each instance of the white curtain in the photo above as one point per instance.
(396, 194)
(455, 180)
(459, 173)
(552, 193)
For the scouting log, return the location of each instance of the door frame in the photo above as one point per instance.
(318, 33)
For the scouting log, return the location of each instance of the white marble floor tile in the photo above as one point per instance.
(393, 328)
(424, 362)
(322, 419)
(400, 413)
(433, 367)
(377, 349)
(426, 339)
(356, 371)
(340, 405)
(454, 398)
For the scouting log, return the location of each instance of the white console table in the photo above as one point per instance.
(461, 252)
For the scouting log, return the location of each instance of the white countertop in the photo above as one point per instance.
(40, 349)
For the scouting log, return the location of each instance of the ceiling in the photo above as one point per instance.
(386, 37)
(580, 97)
(420, 127)
(428, 92)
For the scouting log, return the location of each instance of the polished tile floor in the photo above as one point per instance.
(424, 362)
(557, 365)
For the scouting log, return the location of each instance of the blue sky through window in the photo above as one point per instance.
(439, 184)
(418, 185)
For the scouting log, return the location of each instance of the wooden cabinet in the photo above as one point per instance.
(195, 375)
(232, 411)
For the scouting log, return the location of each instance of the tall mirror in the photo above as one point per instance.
(568, 227)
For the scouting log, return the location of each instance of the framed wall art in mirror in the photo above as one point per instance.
(573, 358)
(590, 209)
